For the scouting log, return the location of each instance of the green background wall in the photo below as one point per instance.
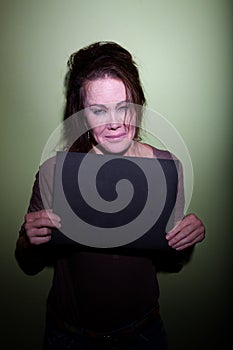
(183, 49)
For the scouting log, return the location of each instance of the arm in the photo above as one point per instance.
(186, 232)
(182, 240)
(33, 251)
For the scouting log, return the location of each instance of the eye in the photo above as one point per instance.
(98, 111)
(124, 108)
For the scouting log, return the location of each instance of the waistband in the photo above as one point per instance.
(128, 330)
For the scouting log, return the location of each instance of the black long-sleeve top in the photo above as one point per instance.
(95, 288)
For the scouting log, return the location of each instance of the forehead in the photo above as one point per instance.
(105, 91)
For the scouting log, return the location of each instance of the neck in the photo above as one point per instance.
(136, 149)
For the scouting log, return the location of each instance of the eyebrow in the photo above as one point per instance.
(104, 106)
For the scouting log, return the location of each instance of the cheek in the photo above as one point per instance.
(132, 131)
(130, 121)
(92, 126)
(89, 121)
(97, 132)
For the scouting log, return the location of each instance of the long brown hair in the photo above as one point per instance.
(96, 61)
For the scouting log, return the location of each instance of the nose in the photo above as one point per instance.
(115, 121)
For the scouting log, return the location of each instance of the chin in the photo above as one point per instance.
(115, 148)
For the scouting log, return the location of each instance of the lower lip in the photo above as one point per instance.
(116, 138)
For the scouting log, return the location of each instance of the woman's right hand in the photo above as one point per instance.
(38, 226)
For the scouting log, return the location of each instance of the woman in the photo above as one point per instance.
(100, 300)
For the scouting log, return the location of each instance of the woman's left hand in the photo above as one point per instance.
(187, 232)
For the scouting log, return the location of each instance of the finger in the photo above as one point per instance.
(198, 239)
(41, 222)
(41, 232)
(195, 237)
(40, 240)
(174, 230)
(182, 234)
(180, 226)
(38, 236)
(30, 217)
(189, 234)
(188, 221)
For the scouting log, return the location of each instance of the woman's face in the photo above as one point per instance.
(109, 115)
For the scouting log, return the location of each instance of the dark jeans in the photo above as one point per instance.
(153, 337)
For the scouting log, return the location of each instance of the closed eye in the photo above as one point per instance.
(123, 108)
(98, 111)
